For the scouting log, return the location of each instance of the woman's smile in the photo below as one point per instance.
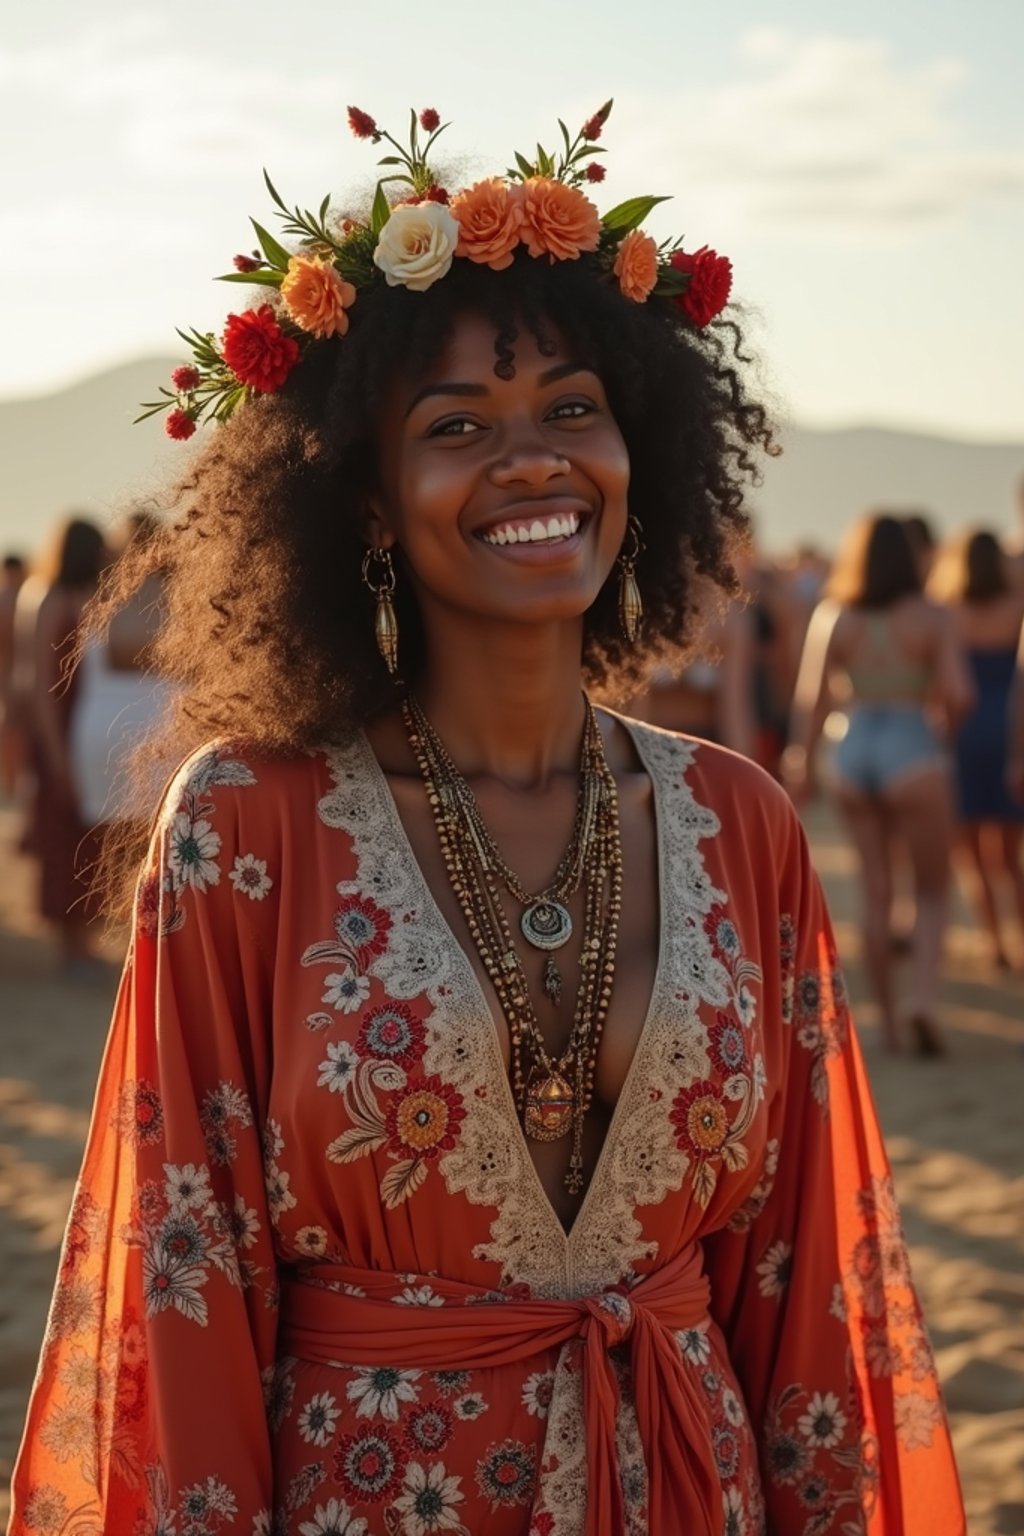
(550, 528)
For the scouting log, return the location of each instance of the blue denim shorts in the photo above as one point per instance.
(884, 743)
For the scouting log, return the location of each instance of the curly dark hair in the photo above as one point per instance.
(267, 624)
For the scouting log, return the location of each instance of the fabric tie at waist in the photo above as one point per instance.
(472, 1330)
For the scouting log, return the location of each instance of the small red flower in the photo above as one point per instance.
(595, 172)
(362, 124)
(179, 425)
(592, 128)
(700, 1118)
(185, 378)
(363, 928)
(430, 119)
(707, 292)
(369, 1465)
(424, 1119)
(428, 1428)
(436, 195)
(257, 351)
(393, 1033)
(246, 263)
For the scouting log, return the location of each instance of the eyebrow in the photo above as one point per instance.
(478, 391)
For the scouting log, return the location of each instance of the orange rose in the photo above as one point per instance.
(316, 296)
(490, 215)
(558, 221)
(636, 266)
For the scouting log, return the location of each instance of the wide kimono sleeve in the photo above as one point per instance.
(147, 1414)
(810, 1280)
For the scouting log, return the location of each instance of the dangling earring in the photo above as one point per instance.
(631, 608)
(385, 623)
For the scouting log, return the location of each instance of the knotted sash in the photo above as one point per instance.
(473, 1332)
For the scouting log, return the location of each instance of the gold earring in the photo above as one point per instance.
(385, 623)
(631, 608)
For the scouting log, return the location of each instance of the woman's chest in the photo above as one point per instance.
(391, 1088)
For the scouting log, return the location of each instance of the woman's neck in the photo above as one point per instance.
(506, 699)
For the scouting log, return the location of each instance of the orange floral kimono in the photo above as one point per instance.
(312, 1285)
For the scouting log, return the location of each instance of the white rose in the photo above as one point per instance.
(416, 245)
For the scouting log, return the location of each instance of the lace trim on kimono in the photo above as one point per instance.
(642, 1160)
(489, 1166)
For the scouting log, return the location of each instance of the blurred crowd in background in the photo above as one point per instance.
(887, 674)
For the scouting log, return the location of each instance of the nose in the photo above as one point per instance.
(527, 459)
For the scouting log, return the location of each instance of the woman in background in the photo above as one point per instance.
(973, 579)
(12, 744)
(884, 652)
(712, 695)
(47, 618)
(119, 698)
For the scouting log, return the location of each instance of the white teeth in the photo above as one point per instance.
(537, 532)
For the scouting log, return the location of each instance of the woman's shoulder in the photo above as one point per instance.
(715, 776)
(252, 775)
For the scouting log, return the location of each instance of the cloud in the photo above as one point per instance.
(163, 111)
(831, 133)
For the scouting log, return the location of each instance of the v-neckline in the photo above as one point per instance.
(567, 1236)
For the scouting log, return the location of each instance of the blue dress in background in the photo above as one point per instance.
(983, 741)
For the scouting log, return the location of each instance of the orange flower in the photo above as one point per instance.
(558, 221)
(636, 266)
(316, 296)
(490, 215)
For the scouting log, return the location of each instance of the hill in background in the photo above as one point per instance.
(77, 449)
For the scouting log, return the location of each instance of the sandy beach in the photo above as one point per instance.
(953, 1129)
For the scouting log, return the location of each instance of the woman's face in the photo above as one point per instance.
(507, 497)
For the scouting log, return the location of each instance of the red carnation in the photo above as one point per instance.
(707, 292)
(591, 129)
(186, 378)
(245, 263)
(179, 425)
(595, 172)
(257, 351)
(363, 125)
(429, 119)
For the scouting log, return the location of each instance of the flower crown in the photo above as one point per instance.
(538, 205)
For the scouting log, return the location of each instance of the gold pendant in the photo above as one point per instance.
(549, 1107)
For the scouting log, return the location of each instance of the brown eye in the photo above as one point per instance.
(571, 410)
(455, 426)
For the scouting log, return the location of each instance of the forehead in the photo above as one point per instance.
(476, 343)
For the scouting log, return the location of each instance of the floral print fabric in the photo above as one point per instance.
(303, 1086)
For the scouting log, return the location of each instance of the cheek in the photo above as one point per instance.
(609, 471)
(430, 489)
(609, 466)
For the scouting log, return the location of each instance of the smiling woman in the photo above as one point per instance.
(270, 625)
(482, 1145)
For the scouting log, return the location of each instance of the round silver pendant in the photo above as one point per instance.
(546, 924)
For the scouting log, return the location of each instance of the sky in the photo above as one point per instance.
(862, 166)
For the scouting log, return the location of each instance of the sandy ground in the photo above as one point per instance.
(953, 1128)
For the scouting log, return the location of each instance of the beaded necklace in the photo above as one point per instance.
(552, 1094)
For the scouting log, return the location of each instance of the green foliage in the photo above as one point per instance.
(630, 214)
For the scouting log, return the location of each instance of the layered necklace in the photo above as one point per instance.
(552, 1094)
